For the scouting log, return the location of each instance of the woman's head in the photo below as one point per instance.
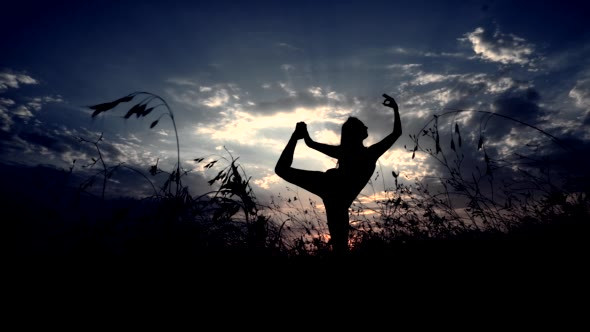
(354, 132)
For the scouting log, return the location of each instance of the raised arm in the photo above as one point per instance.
(378, 149)
(329, 150)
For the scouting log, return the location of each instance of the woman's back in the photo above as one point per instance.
(355, 167)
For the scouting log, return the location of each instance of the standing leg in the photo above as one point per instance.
(337, 215)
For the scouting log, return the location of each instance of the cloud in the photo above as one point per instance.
(288, 47)
(493, 84)
(181, 81)
(422, 91)
(522, 105)
(287, 67)
(309, 97)
(243, 127)
(12, 112)
(427, 78)
(288, 89)
(399, 50)
(423, 94)
(401, 161)
(499, 47)
(57, 144)
(215, 96)
(47, 143)
(9, 79)
(412, 76)
(515, 102)
(38, 102)
(445, 54)
(504, 137)
(581, 94)
(406, 68)
(36, 144)
(6, 102)
(35, 104)
(267, 181)
(427, 54)
(219, 98)
(23, 112)
(6, 119)
(259, 132)
(315, 91)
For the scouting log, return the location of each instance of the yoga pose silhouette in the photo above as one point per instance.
(338, 187)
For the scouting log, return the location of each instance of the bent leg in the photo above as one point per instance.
(312, 181)
(286, 158)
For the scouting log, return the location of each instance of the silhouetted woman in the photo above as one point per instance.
(338, 187)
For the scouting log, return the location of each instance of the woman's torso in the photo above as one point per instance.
(353, 172)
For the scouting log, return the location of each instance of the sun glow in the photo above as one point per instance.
(247, 128)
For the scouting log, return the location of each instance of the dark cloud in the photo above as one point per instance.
(43, 140)
(519, 104)
(565, 163)
(128, 182)
(40, 143)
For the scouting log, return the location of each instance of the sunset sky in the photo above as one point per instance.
(241, 74)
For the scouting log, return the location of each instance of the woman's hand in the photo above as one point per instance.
(389, 102)
(301, 131)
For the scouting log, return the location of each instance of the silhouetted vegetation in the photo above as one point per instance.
(476, 198)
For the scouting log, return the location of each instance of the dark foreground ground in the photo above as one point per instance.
(43, 227)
